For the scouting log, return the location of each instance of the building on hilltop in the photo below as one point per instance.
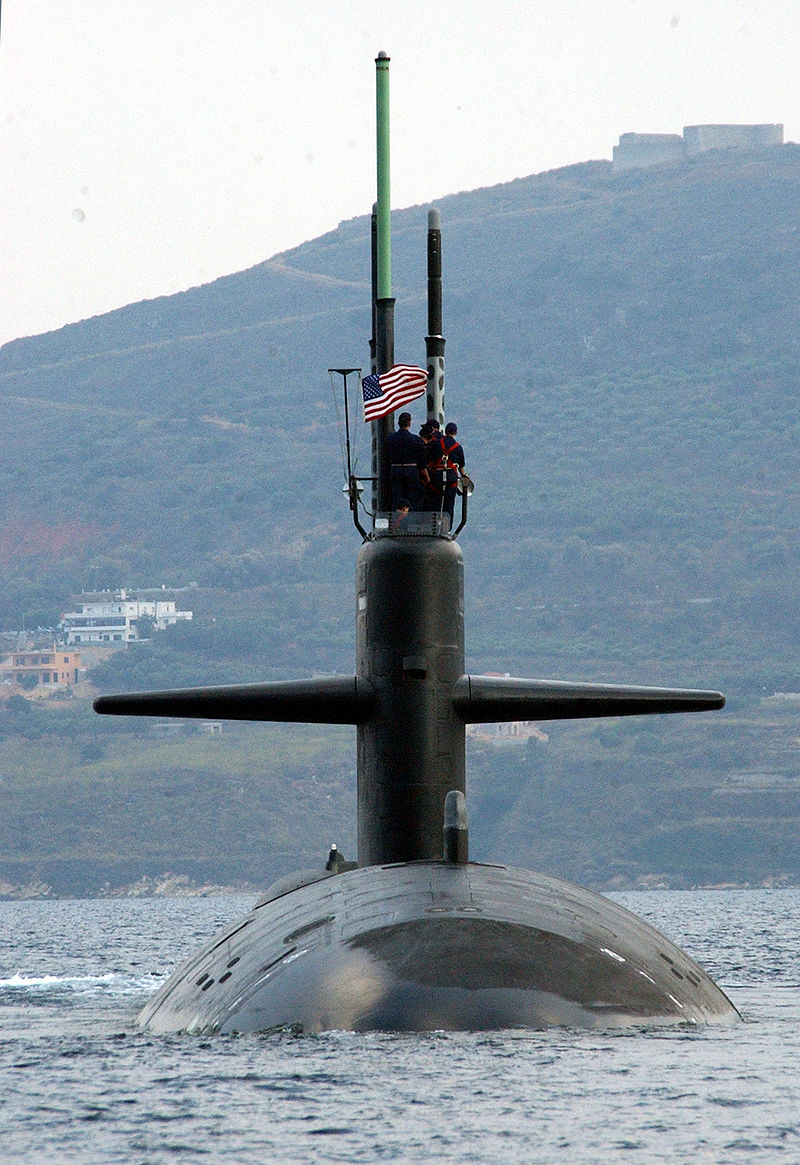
(700, 138)
(648, 149)
(637, 150)
(509, 732)
(113, 617)
(29, 669)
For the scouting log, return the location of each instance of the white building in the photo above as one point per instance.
(114, 617)
(637, 150)
(509, 732)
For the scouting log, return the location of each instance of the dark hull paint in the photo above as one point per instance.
(425, 946)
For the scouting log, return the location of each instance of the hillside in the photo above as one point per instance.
(622, 357)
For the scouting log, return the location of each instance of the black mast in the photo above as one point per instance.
(434, 341)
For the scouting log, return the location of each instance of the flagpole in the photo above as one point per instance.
(384, 303)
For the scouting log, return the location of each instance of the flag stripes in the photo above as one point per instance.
(388, 391)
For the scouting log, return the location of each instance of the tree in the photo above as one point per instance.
(18, 705)
(145, 626)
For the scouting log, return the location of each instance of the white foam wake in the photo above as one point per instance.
(117, 983)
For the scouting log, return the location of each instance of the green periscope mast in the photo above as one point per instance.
(415, 936)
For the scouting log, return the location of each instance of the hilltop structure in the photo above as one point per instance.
(637, 150)
(113, 617)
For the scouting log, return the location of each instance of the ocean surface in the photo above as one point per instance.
(81, 1083)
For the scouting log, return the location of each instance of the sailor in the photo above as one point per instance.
(445, 464)
(401, 513)
(456, 462)
(335, 859)
(432, 429)
(407, 459)
(431, 493)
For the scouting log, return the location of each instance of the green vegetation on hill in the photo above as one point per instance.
(89, 803)
(622, 359)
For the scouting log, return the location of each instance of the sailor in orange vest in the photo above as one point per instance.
(445, 463)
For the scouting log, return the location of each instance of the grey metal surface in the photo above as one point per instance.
(434, 341)
(425, 946)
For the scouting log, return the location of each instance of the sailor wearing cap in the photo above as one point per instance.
(445, 464)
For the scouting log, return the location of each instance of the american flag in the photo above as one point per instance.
(387, 392)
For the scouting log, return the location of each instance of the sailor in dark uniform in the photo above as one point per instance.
(335, 859)
(337, 863)
(445, 463)
(407, 460)
(431, 493)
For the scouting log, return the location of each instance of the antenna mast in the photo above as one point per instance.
(384, 303)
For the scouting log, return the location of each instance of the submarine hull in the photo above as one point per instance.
(429, 945)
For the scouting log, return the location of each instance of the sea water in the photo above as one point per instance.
(79, 1082)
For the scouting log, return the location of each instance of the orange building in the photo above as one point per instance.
(56, 666)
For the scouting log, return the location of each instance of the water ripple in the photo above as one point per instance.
(80, 1082)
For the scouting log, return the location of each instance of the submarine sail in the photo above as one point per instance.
(418, 937)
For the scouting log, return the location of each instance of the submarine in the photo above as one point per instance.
(413, 935)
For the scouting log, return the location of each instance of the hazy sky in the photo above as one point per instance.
(147, 146)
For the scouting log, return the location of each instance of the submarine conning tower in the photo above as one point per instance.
(410, 698)
(410, 647)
